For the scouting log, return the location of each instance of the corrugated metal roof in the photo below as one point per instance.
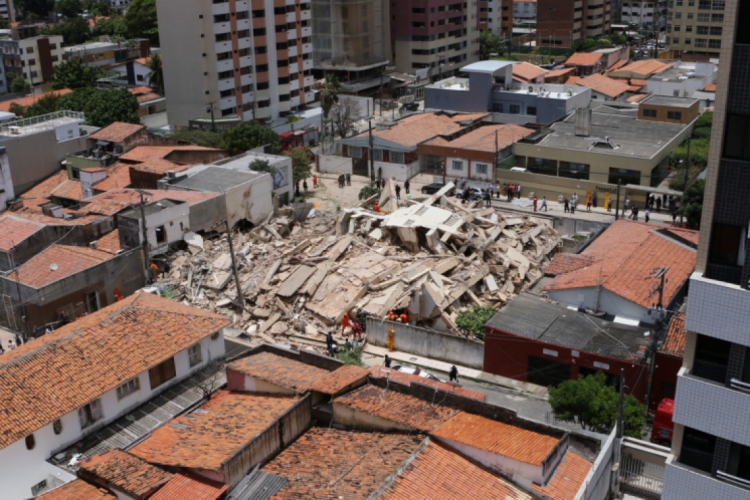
(258, 485)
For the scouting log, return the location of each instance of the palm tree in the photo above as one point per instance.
(329, 96)
(156, 78)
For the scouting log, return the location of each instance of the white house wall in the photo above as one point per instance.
(608, 302)
(175, 220)
(465, 170)
(252, 200)
(398, 171)
(21, 468)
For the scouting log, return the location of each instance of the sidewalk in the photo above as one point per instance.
(377, 353)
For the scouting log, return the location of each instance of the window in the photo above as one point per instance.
(215, 336)
(355, 152)
(718, 5)
(702, 30)
(689, 29)
(649, 113)
(515, 109)
(128, 387)
(416, 11)
(698, 449)
(497, 107)
(737, 137)
(674, 115)
(57, 426)
(727, 245)
(162, 373)
(711, 358)
(30, 50)
(457, 165)
(688, 41)
(30, 442)
(701, 42)
(397, 157)
(677, 28)
(703, 18)
(481, 168)
(195, 355)
(625, 175)
(531, 110)
(714, 44)
(90, 413)
(377, 154)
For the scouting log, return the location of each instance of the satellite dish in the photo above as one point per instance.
(53, 267)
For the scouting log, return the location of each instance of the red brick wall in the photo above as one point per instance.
(665, 373)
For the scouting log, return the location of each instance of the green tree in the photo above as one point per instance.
(156, 78)
(73, 74)
(585, 45)
(74, 30)
(47, 104)
(99, 9)
(69, 8)
(111, 105)
(591, 403)
(141, 20)
(691, 206)
(40, 8)
(261, 165)
(17, 109)
(301, 166)
(368, 191)
(77, 100)
(4, 24)
(203, 138)
(115, 26)
(250, 135)
(350, 356)
(329, 94)
(16, 83)
(489, 43)
(472, 321)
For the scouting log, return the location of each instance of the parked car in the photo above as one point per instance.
(413, 371)
(432, 188)
(470, 194)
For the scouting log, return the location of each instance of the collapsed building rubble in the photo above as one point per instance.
(430, 258)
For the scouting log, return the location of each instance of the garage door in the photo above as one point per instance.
(547, 371)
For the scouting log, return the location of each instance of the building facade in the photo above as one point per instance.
(647, 14)
(250, 59)
(711, 446)
(695, 28)
(442, 35)
(33, 59)
(524, 10)
(559, 24)
(497, 16)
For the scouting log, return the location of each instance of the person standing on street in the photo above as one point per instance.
(454, 374)
(387, 361)
(535, 201)
(646, 215)
(304, 186)
(398, 192)
(544, 204)
(518, 191)
(348, 179)
(566, 206)
(315, 182)
(487, 198)
(407, 184)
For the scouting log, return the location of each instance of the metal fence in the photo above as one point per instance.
(642, 478)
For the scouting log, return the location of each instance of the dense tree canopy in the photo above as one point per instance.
(73, 74)
(69, 8)
(141, 20)
(114, 26)
(250, 135)
(74, 30)
(489, 43)
(102, 107)
(691, 206)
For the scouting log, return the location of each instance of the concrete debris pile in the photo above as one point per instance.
(429, 259)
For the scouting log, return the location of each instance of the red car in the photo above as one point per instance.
(663, 425)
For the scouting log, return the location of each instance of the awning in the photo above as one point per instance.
(653, 190)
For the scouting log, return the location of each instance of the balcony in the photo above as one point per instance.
(291, 17)
(718, 309)
(306, 31)
(221, 28)
(291, 34)
(305, 15)
(696, 402)
(222, 47)
(241, 5)
(680, 479)
(246, 79)
(246, 61)
(221, 8)
(309, 97)
(247, 97)
(307, 48)
(225, 65)
(228, 102)
(292, 50)
(307, 64)
(248, 115)
(309, 80)
(243, 43)
(243, 24)
(295, 101)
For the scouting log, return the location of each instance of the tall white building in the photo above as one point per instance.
(711, 445)
(524, 10)
(250, 59)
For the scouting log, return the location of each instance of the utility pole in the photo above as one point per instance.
(617, 203)
(658, 313)
(145, 235)
(372, 152)
(18, 289)
(685, 185)
(240, 298)
(213, 121)
(619, 433)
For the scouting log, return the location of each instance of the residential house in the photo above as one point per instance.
(149, 102)
(706, 96)
(614, 56)
(98, 368)
(77, 280)
(559, 75)
(475, 154)
(586, 63)
(126, 475)
(185, 485)
(132, 73)
(605, 88)
(643, 69)
(106, 54)
(394, 146)
(166, 222)
(77, 489)
(683, 79)
(528, 73)
(613, 274)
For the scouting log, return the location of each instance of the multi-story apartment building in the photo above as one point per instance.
(32, 58)
(559, 24)
(524, 10)
(245, 58)
(695, 27)
(352, 41)
(497, 16)
(647, 13)
(439, 34)
(7, 10)
(711, 444)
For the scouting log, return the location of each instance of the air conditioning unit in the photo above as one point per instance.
(171, 175)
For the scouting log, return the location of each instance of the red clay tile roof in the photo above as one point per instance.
(66, 260)
(558, 72)
(567, 479)
(439, 472)
(619, 64)
(185, 486)
(469, 117)
(159, 166)
(566, 262)
(118, 177)
(44, 189)
(496, 437)
(584, 59)
(638, 81)
(338, 380)
(690, 235)
(417, 128)
(641, 69)
(710, 87)
(56, 221)
(102, 207)
(279, 370)
(126, 198)
(409, 378)
(14, 229)
(573, 80)
(399, 408)
(638, 97)
(30, 100)
(142, 154)
(526, 72)
(117, 132)
(330, 464)
(77, 490)
(604, 85)
(487, 139)
(109, 242)
(674, 344)
(57, 373)
(69, 189)
(151, 96)
(626, 254)
(219, 430)
(126, 472)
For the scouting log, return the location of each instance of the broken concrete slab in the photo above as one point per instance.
(295, 281)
